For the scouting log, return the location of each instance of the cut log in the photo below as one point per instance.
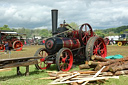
(99, 58)
(93, 63)
(122, 60)
(84, 66)
(121, 72)
(118, 68)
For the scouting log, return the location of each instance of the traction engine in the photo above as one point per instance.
(68, 46)
(10, 38)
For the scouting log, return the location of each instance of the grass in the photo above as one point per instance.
(10, 77)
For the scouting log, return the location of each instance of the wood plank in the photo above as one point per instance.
(26, 63)
(95, 75)
(7, 69)
(68, 77)
(86, 79)
(48, 78)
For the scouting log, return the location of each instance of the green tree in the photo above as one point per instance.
(45, 33)
(99, 33)
(74, 25)
(5, 27)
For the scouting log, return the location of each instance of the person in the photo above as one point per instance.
(112, 41)
(9, 45)
(6, 47)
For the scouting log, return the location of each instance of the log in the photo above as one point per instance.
(122, 60)
(93, 63)
(99, 58)
(121, 72)
(118, 68)
(84, 66)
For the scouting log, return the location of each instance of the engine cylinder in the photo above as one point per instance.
(54, 44)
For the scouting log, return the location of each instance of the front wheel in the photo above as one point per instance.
(42, 52)
(64, 59)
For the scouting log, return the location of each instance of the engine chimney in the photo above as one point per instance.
(54, 21)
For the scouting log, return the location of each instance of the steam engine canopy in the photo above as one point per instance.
(54, 44)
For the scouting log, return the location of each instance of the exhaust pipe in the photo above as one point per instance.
(54, 21)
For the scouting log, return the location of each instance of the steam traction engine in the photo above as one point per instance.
(69, 45)
(12, 40)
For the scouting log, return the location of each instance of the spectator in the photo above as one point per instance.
(111, 41)
(9, 45)
(6, 47)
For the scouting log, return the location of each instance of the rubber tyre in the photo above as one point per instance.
(119, 43)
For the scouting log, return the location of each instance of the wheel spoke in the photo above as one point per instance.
(96, 44)
(99, 45)
(83, 37)
(102, 50)
(85, 28)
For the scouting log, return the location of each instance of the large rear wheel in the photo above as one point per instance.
(42, 52)
(64, 59)
(96, 46)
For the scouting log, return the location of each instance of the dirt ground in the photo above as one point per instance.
(29, 51)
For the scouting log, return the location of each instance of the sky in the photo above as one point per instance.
(100, 14)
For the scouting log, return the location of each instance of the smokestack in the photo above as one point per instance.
(54, 21)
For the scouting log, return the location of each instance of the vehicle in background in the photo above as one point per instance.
(123, 39)
(15, 40)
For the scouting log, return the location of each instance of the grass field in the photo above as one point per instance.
(10, 77)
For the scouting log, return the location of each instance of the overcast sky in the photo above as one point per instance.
(100, 14)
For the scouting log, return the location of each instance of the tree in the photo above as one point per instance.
(100, 33)
(5, 27)
(45, 33)
(74, 25)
